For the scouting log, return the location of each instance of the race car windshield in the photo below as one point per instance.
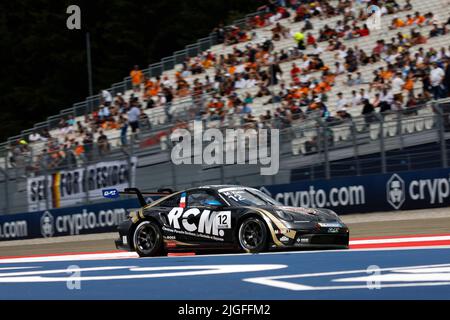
(243, 197)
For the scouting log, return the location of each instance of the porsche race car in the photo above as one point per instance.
(225, 218)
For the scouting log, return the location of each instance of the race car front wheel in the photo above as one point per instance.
(253, 235)
(148, 240)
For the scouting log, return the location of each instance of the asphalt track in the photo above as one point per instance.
(427, 222)
(406, 273)
(401, 256)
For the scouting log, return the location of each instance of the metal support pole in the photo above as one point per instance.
(382, 146)
(86, 180)
(355, 149)
(7, 205)
(441, 128)
(326, 150)
(46, 186)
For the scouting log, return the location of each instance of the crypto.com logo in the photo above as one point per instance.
(396, 191)
(374, 20)
(234, 147)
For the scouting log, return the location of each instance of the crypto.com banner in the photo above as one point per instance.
(68, 187)
(87, 219)
(396, 191)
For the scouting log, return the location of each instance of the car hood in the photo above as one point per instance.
(305, 214)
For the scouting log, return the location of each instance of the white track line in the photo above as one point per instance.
(130, 255)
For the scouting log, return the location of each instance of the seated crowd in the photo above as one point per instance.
(219, 96)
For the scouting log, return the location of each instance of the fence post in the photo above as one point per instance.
(441, 128)
(355, 148)
(7, 205)
(326, 155)
(382, 145)
(86, 180)
(46, 193)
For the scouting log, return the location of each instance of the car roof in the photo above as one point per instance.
(217, 187)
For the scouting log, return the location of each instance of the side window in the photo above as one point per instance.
(172, 202)
(201, 199)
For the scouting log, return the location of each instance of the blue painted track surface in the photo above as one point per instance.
(232, 285)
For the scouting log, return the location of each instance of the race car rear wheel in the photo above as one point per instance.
(147, 239)
(253, 235)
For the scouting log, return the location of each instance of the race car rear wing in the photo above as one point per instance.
(114, 194)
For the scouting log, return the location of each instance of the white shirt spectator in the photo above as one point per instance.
(364, 96)
(437, 76)
(341, 105)
(106, 95)
(397, 85)
(133, 114)
(251, 83)
(342, 54)
(388, 97)
(305, 64)
(167, 83)
(240, 84)
(305, 78)
(104, 112)
(35, 137)
(356, 101)
(340, 69)
(318, 50)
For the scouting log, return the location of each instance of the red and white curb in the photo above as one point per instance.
(363, 243)
(399, 242)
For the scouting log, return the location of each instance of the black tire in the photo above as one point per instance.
(148, 239)
(253, 235)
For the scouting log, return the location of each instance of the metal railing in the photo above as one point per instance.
(314, 149)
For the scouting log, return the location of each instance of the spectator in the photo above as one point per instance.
(299, 37)
(34, 137)
(437, 76)
(136, 78)
(341, 103)
(88, 144)
(397, 88)
(133, 119)
(103, 144)
(368, 111)
(123, 127)
(107, 97)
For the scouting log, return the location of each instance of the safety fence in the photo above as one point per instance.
(316, 149)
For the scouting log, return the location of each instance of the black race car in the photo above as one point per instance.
(228, 218)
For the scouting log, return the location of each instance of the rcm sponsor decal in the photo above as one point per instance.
(207, 223)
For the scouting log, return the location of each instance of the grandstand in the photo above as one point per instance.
(353, 135)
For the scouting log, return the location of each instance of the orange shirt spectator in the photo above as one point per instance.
(386, 74)
(79, 149)
(399, 23)
(420, 20)
(409, 85)
(136, 78)
(410, 21)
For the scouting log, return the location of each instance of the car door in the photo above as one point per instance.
(205, 212)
